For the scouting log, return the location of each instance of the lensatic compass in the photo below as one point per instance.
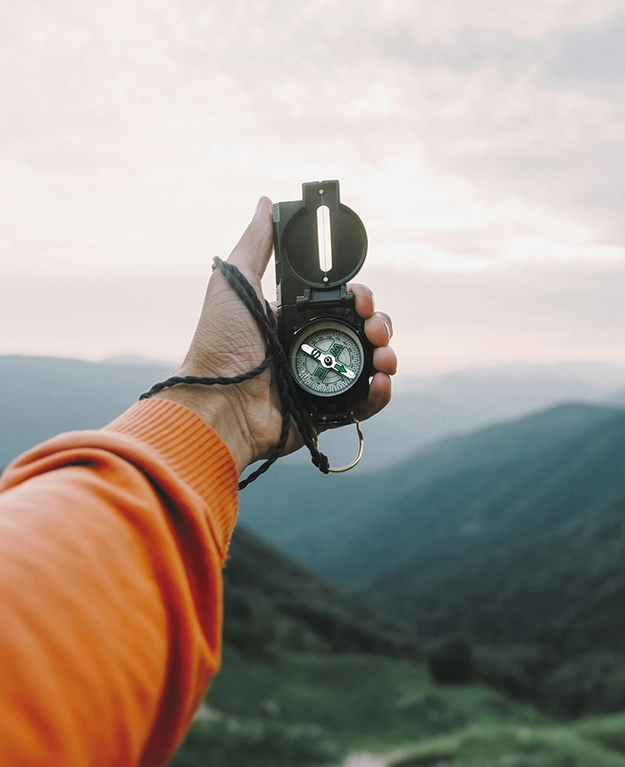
(321, 244)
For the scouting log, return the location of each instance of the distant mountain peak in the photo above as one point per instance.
(136, 359)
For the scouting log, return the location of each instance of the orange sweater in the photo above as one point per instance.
(111, 547)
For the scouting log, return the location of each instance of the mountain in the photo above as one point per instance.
(481, 533)
(601, 375)
(272, 603)
(618, 398)
(44, 396)
(320, 519)
(459, 552)
(137, 359)
(563, 588)
(425, 409)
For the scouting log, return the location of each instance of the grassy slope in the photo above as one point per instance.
(312, 709)
(512, 746)
(307, 709)
(271, 706)
(596, 742)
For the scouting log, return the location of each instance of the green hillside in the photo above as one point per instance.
(564, 588)
(486, 537)
(305, 709)
(310, 674)
(273, 604)
(326, 521)
(292, 694)
(596, 743)
(312, 710)
(479, 505)
(511, 534)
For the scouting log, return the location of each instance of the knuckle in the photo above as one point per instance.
(388, 322)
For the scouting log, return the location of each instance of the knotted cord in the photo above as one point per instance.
(276, 358)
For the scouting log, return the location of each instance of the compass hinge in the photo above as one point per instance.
(332, 298)
(333, 418)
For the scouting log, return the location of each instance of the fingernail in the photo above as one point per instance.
(259, 204)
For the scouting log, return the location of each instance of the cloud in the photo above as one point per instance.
(474, 138)
(594, 53)
(532, 313)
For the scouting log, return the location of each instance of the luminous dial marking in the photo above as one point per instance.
(326, 358)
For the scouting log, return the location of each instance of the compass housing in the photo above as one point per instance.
(313, 302)
(327, 357)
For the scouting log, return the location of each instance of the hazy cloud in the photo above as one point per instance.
(595, 53)
(532, 313)
(477, 139)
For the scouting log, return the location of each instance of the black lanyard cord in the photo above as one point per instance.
(276, 358)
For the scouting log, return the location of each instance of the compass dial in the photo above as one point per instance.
(326, 358)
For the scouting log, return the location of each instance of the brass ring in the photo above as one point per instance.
(356, 461)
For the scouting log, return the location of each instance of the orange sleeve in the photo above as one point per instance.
(111, 547)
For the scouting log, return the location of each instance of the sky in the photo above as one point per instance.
(482, 142)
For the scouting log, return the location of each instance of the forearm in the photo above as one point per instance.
(110, 555)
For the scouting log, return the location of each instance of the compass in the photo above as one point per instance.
(326, 357)
(321, 244)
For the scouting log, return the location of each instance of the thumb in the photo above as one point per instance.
(253, 251)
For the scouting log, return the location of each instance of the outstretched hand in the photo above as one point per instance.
(228, 342)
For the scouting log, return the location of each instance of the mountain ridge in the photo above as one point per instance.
(80, 394)
(456, 524)
(354, 499)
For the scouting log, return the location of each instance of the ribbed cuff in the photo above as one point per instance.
(192, 449)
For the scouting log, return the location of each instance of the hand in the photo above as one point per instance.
(227, 342)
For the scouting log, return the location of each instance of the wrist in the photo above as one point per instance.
(218, 410)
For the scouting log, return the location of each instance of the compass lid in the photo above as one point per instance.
(324, 227)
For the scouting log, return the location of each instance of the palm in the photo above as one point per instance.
(228, 342)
